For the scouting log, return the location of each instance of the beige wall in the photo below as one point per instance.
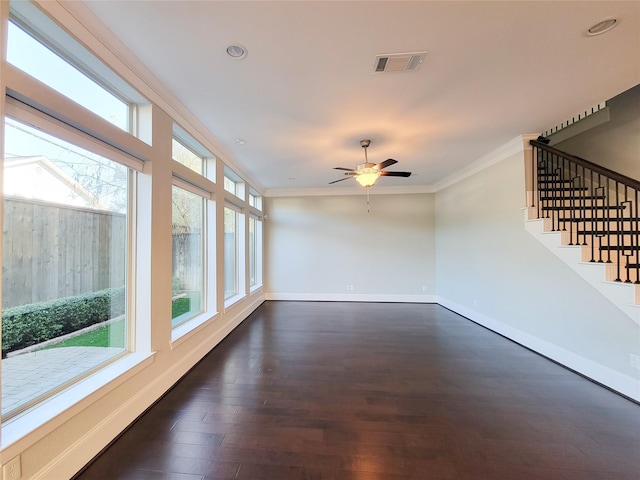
(316, 246)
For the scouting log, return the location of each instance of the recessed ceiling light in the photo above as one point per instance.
(240, 141)
(236, 51)
(602, 27)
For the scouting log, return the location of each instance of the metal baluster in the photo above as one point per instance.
(636, 220)
(621, 237)
(619, 228)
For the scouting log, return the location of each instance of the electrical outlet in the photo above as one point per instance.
(350, 288)
(12, 469)
(634, 360)
(424, 288)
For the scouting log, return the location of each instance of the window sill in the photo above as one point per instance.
(235, 299)
(181, 332)
(34, 424)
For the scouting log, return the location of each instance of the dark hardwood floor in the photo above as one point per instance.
(346, 391)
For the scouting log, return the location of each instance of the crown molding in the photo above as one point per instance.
(342, 191)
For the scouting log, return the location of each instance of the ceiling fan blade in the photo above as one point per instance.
(342, 168)
(395, 174)
(387, 163)
(336, 181)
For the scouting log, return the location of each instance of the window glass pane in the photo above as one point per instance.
(188, 241)
(183, 155)
(31, 56)
(255, 200)
(255, 252)
(229, 185)
(63, 264)
(230, 253)
(252, 251)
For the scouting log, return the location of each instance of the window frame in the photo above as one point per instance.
(25, 114)
(186, 187)
(240, 255)
(203, 186)
(239, 184)
(254, 258)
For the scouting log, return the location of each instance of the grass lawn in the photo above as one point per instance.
(114, 335)
(107, 336)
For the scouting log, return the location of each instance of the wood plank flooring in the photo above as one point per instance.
(346, 391)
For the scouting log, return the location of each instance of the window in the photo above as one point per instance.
(70, 185)
(64, 264)
(255, 200)
(186, 157)
(255, 252)
(188, 253)
(31, 56)
(230, 253)
(233, 183)
(234, 256)
(39, 47)
(193, 225)
(190, 153)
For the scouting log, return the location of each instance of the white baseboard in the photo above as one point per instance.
(355, 297)
(624, 384)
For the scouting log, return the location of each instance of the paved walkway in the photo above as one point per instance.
(27, 376)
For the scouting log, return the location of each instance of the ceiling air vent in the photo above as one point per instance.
(398, 62)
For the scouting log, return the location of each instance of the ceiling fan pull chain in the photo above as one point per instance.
(368, 205)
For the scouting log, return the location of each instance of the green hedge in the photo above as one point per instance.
(28, 325)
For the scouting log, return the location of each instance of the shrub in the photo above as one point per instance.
(28, 325)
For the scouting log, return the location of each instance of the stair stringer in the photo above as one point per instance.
(622, 295)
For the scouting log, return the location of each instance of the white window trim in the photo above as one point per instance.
(21, 112)
(191, 187)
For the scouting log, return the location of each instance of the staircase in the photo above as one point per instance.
(589, 216)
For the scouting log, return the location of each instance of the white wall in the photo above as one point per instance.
(616, 143)
(492, 271)
(317, 246)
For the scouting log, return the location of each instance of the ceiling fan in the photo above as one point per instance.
(367, 173)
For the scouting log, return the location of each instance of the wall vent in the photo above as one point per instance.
(398, 62)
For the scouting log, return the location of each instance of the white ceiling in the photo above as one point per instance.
(306, 93)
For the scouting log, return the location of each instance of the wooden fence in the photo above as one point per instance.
(53, 251)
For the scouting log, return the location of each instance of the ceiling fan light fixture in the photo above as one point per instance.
(367, 176)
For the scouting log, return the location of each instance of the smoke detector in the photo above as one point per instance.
(398, 62)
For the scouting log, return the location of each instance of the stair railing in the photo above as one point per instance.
(597, 207)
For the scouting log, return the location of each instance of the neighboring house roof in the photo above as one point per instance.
(39, 178)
